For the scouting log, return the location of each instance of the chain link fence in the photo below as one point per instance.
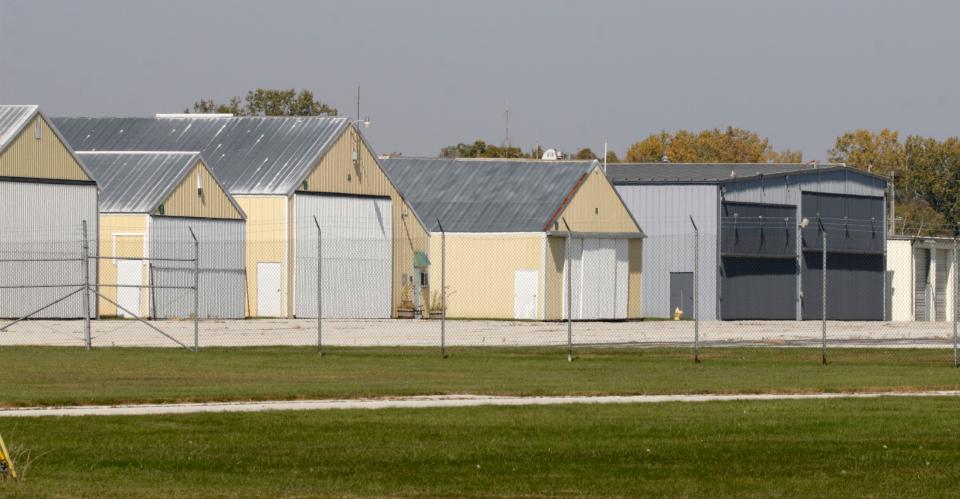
(197, 287)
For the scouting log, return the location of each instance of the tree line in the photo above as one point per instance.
(925, 172)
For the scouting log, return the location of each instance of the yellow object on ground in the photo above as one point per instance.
(677, 314)
(6, 463)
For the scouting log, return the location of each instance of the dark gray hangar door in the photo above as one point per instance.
(357, 247)
(222, 279)
(758, 264)
(855, 240)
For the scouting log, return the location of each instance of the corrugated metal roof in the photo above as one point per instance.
(12, 120)
(137, 182)
(709, 173)
(250, 155)
(485, 195)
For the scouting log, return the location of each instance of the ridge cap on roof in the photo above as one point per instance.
(94, 151)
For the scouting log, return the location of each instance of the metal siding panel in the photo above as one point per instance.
(758, 230)
(759, 288)
(43, 221)
(940, 284)
(222, 275)
(357, 256)
(48, 158)
(663, 213)
(921, 291)
(854, 286)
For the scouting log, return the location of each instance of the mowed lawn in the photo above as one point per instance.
(839, 448)
(65, 376)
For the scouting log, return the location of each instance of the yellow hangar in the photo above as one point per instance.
(506, 224)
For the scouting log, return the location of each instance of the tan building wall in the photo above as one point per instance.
(635, 287)
(481, 270)
(266, 242)
(47, 157)
(120, 236)
(554, 277)
(210, 202)
(336, 173)
(596, 207)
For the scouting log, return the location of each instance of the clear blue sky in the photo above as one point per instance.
(439, 72)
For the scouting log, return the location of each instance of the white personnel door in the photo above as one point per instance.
(129, 273)
(525, 286)
(268, 289)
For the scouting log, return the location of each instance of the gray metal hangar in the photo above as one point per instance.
(45, 194)
(760, 245)
(152, 205)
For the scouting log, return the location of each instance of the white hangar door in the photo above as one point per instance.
(357, 253)
(600, 271)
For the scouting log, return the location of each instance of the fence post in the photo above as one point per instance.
(566, 255)
(85, 261)
(443, 290)
(823, 299)
(196, 291)
(696, 291)
(319, 287)
(956, 273)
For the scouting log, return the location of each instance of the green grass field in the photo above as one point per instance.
(63, 376)
(837, 448)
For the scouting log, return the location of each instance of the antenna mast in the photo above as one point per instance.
(506, 114)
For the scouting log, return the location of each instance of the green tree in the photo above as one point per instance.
(925, 171)
(729, 145)
(480, 149)
(612, 157)
(882, 153)
(585, 154)
(269, 102)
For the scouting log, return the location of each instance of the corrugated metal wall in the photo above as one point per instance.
(844, 300)
(758, 273)
(336, 173)
(855, 256)
(222, 248)
(357, 255)
(854, 286)
(788, 189)
(39, 220)
(663, 213)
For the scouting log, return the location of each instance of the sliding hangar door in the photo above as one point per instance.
(855, 266)
(758, 264)
(357, 255)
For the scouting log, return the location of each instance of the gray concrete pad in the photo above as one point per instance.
(399, 332)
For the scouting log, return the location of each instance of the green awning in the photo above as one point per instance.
(420, 260)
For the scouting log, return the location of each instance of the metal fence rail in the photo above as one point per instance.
(565, 289)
